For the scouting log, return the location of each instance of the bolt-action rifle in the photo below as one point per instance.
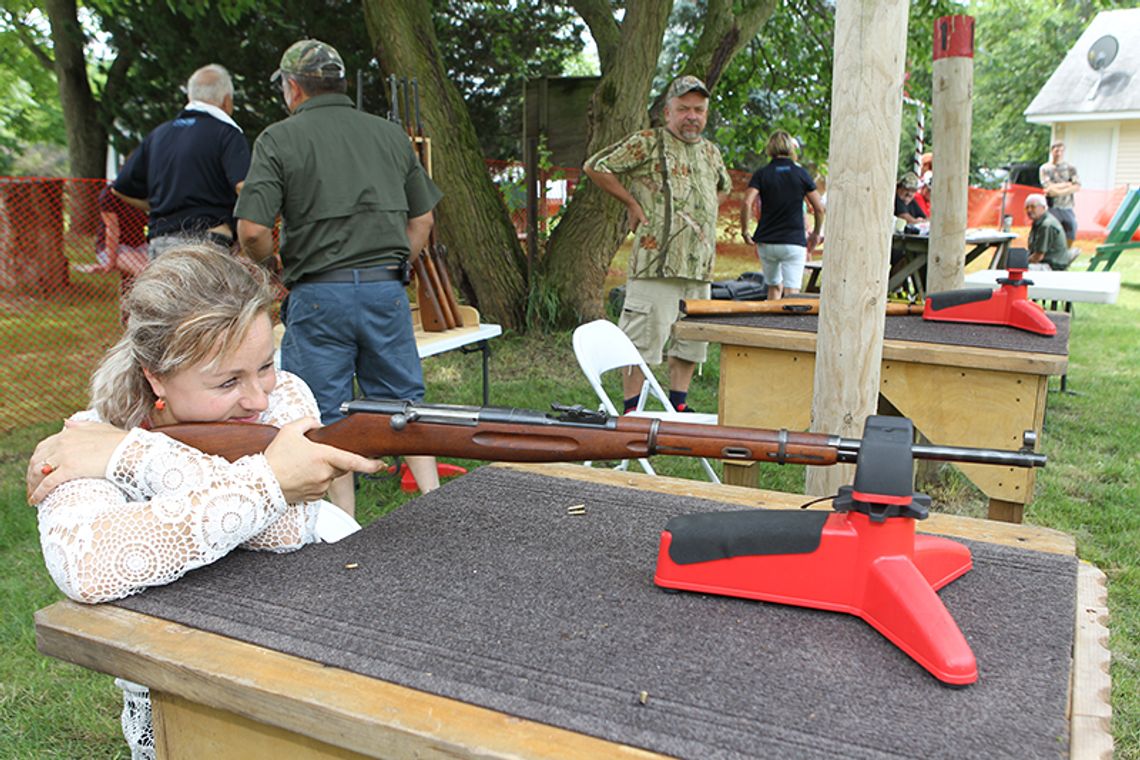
(435, 263)
(433, 316)
(378, 428)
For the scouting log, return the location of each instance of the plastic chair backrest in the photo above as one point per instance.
(601, 346)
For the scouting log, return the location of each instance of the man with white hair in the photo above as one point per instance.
(1047, 245)
(188, 172)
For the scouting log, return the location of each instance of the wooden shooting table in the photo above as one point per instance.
(961, 385)
(216, 696)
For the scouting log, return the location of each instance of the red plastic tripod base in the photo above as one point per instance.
(879, 571)
(1007, 305)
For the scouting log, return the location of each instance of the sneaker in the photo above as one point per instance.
(685, 408)
(1074, 252)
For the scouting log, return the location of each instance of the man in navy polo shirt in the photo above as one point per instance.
(188, 172)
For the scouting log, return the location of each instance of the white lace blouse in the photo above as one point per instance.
(163, 509)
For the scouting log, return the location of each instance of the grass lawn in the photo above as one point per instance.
(1091, 488)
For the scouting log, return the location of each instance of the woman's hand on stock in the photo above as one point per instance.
(80, 450)
(305, 469)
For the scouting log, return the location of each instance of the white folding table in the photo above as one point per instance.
(1085, 287)
(1063, 287)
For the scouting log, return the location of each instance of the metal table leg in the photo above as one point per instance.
(484, 347)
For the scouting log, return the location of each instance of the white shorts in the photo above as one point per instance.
(783, 264)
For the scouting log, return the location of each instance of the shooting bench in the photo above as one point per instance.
(512, 613)
(962, 385)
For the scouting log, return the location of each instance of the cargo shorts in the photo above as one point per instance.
(651, 307)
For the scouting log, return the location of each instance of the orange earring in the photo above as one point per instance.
(159, 404)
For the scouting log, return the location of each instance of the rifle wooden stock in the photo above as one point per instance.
(699, 307)
(437, 288)
(431, 313)
(438, 253)
(379, 428)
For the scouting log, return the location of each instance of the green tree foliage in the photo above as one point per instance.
(783, 79)
(30, 113)
(172, 41)
(491, 49)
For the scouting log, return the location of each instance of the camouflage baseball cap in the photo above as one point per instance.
(684, 85)
(310, 58)
(909, 181)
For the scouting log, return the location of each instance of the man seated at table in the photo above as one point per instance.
(905, 206)
(1048, 247)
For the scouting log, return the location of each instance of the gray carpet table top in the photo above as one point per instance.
(916, 329)
(490, 592)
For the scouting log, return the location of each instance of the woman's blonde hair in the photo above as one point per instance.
(781, 145)
(193, 303)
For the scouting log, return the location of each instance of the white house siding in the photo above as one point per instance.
(1128, 154)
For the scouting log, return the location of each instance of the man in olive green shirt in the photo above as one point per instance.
(356, 204)
(674, 181)
(1047, 243)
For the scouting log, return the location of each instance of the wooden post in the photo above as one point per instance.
(866, 113)
(951, 114)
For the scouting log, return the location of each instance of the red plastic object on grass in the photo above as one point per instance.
(408, 480)
(863, 559)
(1007, 305)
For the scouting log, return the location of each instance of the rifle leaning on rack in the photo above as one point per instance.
(432, 315)
(436, 265)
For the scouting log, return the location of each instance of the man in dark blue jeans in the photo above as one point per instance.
(356, 205)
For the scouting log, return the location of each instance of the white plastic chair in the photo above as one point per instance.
(601, 346)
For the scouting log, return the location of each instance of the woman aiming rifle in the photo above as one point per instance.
(121, 508)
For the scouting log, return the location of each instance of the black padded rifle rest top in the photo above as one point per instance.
(708, 536)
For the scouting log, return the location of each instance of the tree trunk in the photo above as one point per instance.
(86, 135)
(583, 243)
(472, 220)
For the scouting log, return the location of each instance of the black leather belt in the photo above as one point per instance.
(370, 274)
(219, 239)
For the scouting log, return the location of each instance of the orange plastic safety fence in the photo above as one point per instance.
(59, 302)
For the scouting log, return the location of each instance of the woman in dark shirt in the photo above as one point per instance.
(781, 244)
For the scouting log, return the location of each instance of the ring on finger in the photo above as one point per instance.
(46, 467)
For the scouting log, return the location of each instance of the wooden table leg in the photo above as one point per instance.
(1006, 511)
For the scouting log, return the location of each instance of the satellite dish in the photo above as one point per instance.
(1103, 52)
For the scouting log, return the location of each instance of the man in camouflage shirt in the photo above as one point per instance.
(1060, 182)
(674, 181)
